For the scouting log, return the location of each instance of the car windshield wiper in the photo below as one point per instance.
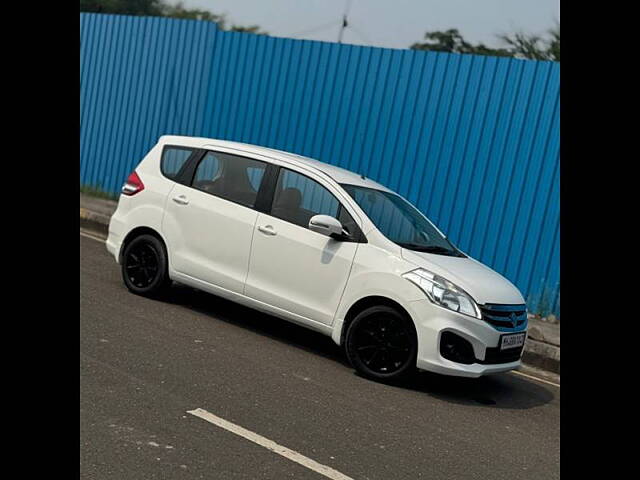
(428, 248)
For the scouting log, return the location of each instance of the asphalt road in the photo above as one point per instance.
(145, 363)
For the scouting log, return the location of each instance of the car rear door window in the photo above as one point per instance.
(231, 177)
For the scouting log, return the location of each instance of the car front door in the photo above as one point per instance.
(209, 221)
(291, 267)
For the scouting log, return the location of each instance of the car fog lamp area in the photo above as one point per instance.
(444, 293)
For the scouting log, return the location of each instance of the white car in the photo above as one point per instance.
(317, 245)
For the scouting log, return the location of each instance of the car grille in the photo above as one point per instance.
(494, 355)
(503, 316)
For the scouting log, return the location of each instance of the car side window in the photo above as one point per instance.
(348, 223)
(233, 178)
(297, 198)
(208, 171)
(173, 159)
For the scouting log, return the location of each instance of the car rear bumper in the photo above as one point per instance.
(112, 248)
(114, 239)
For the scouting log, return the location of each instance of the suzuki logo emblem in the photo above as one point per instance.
(514, 319)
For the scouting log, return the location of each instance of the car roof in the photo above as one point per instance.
(338, 174)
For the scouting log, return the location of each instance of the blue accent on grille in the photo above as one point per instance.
(501, 317)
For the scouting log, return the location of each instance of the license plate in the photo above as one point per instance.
(512, 341)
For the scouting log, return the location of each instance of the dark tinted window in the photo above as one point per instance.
(348, 223)
(230, 177)
(173, 158)
(208, 169)
(298, 198)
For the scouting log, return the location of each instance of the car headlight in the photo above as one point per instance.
(444, 293)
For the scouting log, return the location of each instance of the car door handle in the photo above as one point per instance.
(181, 200)
(268, 230)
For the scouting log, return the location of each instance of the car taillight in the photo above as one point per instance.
(133, 185)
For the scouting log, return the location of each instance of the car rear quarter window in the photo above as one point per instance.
(173, 159)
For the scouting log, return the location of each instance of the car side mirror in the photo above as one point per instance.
(327, 225)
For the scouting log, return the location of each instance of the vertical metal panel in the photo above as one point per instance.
(473, 141)
(141, 77)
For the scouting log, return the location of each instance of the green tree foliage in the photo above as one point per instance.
(179, 11)
(123, 7)
(554, 43)
(451, 41)
(518, 45)
(158, 8)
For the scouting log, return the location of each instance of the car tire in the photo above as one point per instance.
(145, 266)
(381, 344)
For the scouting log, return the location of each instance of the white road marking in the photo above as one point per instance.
(269, 445)
(92, 236)
(535, 378)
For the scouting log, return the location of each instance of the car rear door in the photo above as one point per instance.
(209, 220)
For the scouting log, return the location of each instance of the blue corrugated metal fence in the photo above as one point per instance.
(473, 141)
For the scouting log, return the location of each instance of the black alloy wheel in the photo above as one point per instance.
(381, 344)
(144, 266)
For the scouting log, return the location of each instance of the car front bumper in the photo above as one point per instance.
(432, 321)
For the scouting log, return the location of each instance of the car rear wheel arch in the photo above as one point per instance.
(136, 232)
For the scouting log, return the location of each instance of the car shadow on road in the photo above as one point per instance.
(502, 391)
(276, 328)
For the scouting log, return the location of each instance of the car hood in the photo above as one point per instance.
(483, 284)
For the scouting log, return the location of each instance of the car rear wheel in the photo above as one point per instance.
(381, 344)
(144, 266)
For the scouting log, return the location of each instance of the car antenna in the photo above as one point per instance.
(362, 176)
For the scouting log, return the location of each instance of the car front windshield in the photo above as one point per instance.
(400, 221)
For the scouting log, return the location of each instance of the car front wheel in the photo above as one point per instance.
(381, 344)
